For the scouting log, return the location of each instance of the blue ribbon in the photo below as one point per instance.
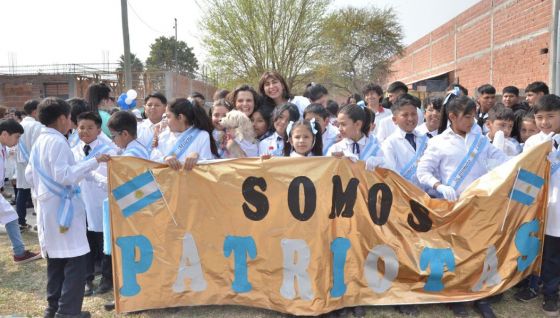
(101, 148)
(371, 149)
(409, 170)
(186, 139)
(466, 165)
(23, 150)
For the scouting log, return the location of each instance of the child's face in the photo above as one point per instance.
(406, 118)
(532, 97)
(245, 102)
(548, 121)
(154, 109)
(349, 128)
(462, 123)
(528, 129)
(495, 125)
(322, 122)
(218, 112)
(259, 124)
(509, 99)
(371, 98)
(433, 117)
(9, 140)
(273, 88)
(302, 140)
(486, 102)
(281, 123)
(88, 130)
(119, 138)
(175, 123)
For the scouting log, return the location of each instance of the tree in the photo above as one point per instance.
(136, 64)
(245, 38)
(359, 46)
(162, 56)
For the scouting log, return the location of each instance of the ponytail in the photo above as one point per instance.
(355, 113)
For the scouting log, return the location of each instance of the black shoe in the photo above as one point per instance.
(550, 305)
(24, 228)
(359, 312)
(109, 305)
(89, 289)
(484, 309)
(408, 310)
(49, 313)
(526, 294)
(83, 314)
(459, 309)
(105, 286)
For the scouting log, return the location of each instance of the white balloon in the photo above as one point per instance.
(131, 94)
(128, 100)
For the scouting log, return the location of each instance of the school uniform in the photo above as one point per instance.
(182, 144)
(251, 149)
(329, 136)
(272, 145)
(385, 127)
(51, 161)
(550, 271)
(301, 102)
(379, 116)
(363, 149)
(423, 130)
(294, 154)
(446, 152)
(511, 147)
(135, 149)
(145, 133)
(93, 193)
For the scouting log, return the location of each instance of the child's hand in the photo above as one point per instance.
(191, 161)
(173, 162)
(103, 158)
(266, 156)
(338, 154)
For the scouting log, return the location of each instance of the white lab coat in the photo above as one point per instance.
(31, 131)
(7, 212)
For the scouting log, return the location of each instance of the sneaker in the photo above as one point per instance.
(408, 310)
(105, 286)
(550, 306)
(25, 228)
(459, 309)
(109, 305)
(26, 257)
(526, 294)
(88, 291)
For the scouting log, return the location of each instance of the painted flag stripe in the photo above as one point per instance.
(140, 204)
(137, 195)
(133, 185)
(522, 197)
(531, 178)
(527, 188)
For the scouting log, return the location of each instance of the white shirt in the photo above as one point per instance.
(94, 187)
(329, 137)
(294, 154)
(7, 212)
(445, 153)
(423, 130)
(145, 133)
(168, 139)
(251, 149)
(57, 160)
(346, 146)
(135, 144)
(553, 210)
(379, 116)
(301, 102)
(386, 126)
(511, 146)
(31, 130)
(271, 145)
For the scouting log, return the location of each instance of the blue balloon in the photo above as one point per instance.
(121, 102)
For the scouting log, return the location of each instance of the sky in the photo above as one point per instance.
(36, 32)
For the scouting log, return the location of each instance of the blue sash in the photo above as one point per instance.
(328, 144)
(409, 170)
(554, 167)
(65, 211)
(371, 149)
(106, 228)
(101, 148)
(184, 142)
(468, 162)
(138, 152)
(73, 139)
(23, 150)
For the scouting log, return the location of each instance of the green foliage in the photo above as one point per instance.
(136, 64)
(162, 56)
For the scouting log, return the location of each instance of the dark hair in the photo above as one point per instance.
(397, 86)
(547, 103)
(317, 149)
(316, 109)
(97, 92)
(374, 88)
(510, 90)
(458, 105)
(291, 108)
(30, 106)
(537, 87)
(486, 89)
(386, 103)
(11, 126)
(93, 116)
(501, 113)
(157, 95)
(51, 108)
(460, 87)
(415, 101)
(19, 114)
(315, 91)
(195, 116)
(355, 113)
(220, 94)
(197, 95)
(435, 101)
(529, 115)
(123, 120)
(232, 96)
(77, 106)
(273, 74)
(266, 113)
(355, 96)
(220, 102)
(400, 103)
(332, 107)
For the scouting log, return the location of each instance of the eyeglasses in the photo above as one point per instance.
(114, 136)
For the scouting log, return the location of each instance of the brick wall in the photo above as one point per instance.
(495, 41)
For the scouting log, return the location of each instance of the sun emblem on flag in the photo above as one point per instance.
(138, 194)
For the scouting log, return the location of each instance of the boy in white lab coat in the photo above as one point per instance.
(61, 220)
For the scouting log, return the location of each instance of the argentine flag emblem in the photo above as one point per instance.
(526, 187)
(137, 193)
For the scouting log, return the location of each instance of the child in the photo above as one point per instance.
(303, 139)
(432, 115)
(329, 132)
(501, 119)
(77, 106)
(528, 127)
(281, 116)
(154, 109)
(123, 128)
(188, 139)
(239, 141)
(60, 214)
(332, 108)
(10, 131)
(261, 122)
(93, 192)
(354, 123)
(547, 118)
(386, 126)
(317, 94)
(454, 159)
(218, 111)
(534, 91)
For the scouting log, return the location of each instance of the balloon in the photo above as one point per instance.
(131, 94)
(128, 100)
(121, 101)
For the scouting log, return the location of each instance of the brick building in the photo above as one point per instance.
(501, 42)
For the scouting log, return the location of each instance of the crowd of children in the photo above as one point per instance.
(441, 145)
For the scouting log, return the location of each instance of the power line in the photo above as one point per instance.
(141, 20)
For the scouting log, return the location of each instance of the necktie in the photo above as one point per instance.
(356, 148)
(555, 144)
(87, 149)
(410, 138)
(429, 135)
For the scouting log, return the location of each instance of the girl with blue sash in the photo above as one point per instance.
(281, 116)
(329, 133)
(357, 143)
(188, 139)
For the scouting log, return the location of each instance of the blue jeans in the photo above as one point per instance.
(12, 228)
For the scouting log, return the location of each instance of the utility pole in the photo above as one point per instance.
(176, 61)
(127, 62)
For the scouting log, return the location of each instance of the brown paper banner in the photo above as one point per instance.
(310, 235)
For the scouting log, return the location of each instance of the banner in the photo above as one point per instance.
(309, 235)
